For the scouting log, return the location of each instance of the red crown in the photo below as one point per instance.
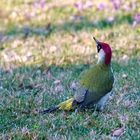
(108, 52)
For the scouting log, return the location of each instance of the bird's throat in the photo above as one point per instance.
(101, 57)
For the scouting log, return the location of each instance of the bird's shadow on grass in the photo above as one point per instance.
(86, 24)
(28, 88)
(68, 26)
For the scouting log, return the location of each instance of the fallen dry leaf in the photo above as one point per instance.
(124, 118)
(92, 133)
(49, 75)
(58, 88)
(73, 86)
(126, 87)
(57, 82)
(124, 76)
(125, 58)
(63, 115)
(25, 130)
(128, 103)
(118, 132)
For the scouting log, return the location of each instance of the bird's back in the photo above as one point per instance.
(98, 80)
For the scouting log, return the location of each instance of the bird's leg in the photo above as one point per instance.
(101, 103)
(74, 104)
(80, 108)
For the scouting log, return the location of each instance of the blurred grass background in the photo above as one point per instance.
(45, 45)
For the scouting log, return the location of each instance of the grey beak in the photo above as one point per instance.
(97, 42)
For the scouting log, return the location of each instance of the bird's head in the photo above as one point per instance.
(104, 52)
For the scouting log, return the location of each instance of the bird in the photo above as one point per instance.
(94, 86)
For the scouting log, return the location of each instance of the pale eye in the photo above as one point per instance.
(99, 47)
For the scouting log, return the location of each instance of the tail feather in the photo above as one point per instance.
(49, 110)
(66, 105)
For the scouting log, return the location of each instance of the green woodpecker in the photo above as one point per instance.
(95, 84)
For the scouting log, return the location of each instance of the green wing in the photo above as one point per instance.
(94, 83)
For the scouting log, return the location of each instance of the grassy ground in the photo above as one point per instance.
(43, 49)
